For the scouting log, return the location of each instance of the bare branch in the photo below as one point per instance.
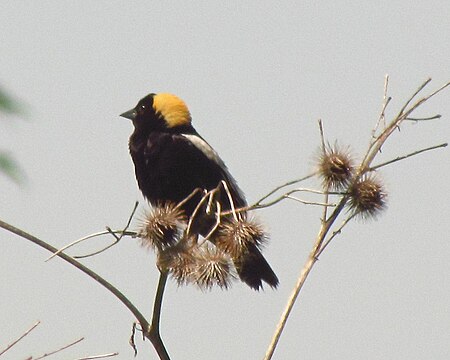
(60, 349)
(20, 337)
(421, 87)
(292, 182)
(103, 356)
(153, 329)
(407, 156)
(100, 233)
(434, 117)
(144, 323)
(324, 151)
(335, 232)
(308, 202)
(386, 101)
(404, 113)
(319, 245)
(122, 233)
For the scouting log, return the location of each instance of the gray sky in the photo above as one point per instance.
(256, 76)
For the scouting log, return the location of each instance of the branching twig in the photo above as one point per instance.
(335, 232)
(87, 237)
(386, 101)
(323, 239)
(292, 182)
(144, 323)
(327, 223)
(121, 233)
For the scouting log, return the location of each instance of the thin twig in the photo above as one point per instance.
(122, 233)
(324, 152)
(335, 232)
(403, 114)
(115, 242)
(292, 182)
(288, 194)
(421, 87)
(373, 150)
(138, 315)
(87, 237)
(217, 222)
(386, 101)
(113, 233)
(20, 337)
(407, 156)
(60, 349)
(438, 116)
(197, 209)
(230, 199)
(103, 356)
(309, 202)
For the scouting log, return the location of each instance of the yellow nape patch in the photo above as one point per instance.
(173, 109)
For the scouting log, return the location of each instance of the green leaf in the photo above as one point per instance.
(9, 167)
(8, 104)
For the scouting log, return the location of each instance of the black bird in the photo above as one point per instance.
(171, 160)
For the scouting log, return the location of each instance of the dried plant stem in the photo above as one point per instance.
(84, 238)
(59, 350)
(153, 331)
(102, 356)
(404, 113)
(143, 322)
(114, 233)
(292, 182)
(20, 337)
(312, 258)
(407, 156)
(290, 304)
(375, 145)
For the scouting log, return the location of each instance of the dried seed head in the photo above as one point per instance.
(235, 236)
(180, 260)
(212, 267)
(162, 226)
(367, 197)
(335, 167)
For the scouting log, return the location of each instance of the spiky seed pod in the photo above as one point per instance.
(162, 225)
(335, 167)
(235, 236)
(212, 267)
(367, 197)
(180, 260)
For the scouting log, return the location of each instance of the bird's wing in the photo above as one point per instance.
(207, 151)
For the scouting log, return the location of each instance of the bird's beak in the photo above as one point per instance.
(130, 114)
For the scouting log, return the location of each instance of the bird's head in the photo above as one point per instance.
(159, 111)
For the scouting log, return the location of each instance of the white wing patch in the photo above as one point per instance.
(211, 154)
(205, 148)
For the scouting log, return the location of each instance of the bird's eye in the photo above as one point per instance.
(140, 109)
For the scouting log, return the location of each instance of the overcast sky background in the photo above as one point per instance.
(256, 76)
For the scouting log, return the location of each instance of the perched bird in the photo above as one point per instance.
(171, 160)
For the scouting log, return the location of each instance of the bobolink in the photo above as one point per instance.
(171, 160)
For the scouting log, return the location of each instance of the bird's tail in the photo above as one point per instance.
(253, 269)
